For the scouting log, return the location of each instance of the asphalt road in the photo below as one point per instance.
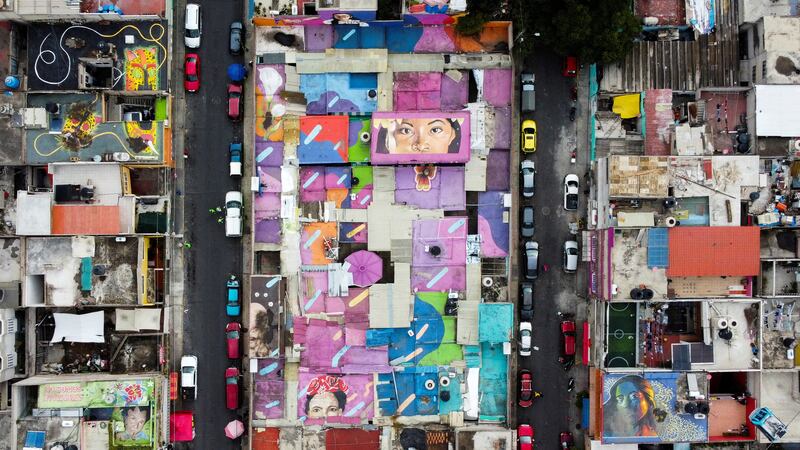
(212, 257)
(554, 290)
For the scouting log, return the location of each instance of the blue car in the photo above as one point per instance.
(234, 306)
(772, 427)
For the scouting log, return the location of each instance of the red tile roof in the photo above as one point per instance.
(266, 439)
(713, 251)
(85, 219)
(352, 439)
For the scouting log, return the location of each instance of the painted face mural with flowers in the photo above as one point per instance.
(326, 396)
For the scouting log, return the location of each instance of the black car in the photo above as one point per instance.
(526, 302)
(237, 36)
(531, 260)
(527, 222)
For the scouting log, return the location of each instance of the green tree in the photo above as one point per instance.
(596, 31)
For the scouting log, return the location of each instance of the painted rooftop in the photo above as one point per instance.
(713, 251)
(366, 164)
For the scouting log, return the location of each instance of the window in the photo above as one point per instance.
(763, 70)
(11, 360)
(753, 75)
(2, 330)
(11, 326)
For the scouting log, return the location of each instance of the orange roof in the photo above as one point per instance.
(85, 219)
(713, 251)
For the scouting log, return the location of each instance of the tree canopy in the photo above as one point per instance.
(596, 31)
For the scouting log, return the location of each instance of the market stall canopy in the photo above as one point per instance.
(79, 327)
(234, 429)
(627, 106)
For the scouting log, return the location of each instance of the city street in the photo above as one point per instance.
(212, 257)
(554, 290)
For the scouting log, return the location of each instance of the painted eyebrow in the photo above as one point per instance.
(405, 122)
(435, 121)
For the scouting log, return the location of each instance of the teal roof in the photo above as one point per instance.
(496, 321)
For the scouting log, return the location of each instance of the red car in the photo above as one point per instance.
(234, 101)
(232, 337)
(232, 388)
(568, 341)
(570, 68)
(525, 388)
(525, 437)
(191, 72)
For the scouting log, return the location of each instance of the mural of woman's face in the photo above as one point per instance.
(424, 136)
(632, 400)
(322, 405)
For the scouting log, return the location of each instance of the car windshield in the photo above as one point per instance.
(525, 333)
(572, 251)
(233, 335)
(235, 94)
(231, 380)
(187, 369)
(232, 204)
(529, 130)
(525, 440)
(192, 33)
(190, 77)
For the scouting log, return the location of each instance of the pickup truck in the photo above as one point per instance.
(235, 150)
(189, 377)
(233, 214)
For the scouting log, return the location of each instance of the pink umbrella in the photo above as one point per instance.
(366, 267)
(234, 429)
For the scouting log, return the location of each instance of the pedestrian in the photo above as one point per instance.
(220, 220)
(219, 209)
(178, 192)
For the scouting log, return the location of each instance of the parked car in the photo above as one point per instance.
(235, 151)
(193, 25)
(570, 256)
(526, 226)
(570, 68)
(566, 440)
(233, 307)
(233, 214)
(526, 301)
(528, 92)
(191, 72)
(525, 399)
(525, 437)
(232, 338)
(189, 377)
(531, 260)
(236, 38)
(232, 388)
(571, 186)
(528, 170)
(525, 338)
(529, 136)
(234, 101)
(567, 342)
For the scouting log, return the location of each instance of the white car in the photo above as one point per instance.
(189, 376)
(571, 187)
(233, 214)
(525, 338)
(570, 256)
(528, 170)
(193, 25)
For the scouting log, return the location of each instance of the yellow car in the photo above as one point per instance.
(529, 136)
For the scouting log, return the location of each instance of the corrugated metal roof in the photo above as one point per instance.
(713, 251)
(85, 219)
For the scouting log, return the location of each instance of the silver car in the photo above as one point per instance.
(528, 170)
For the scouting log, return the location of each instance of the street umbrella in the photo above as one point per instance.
(366, 267)
(234, 429)
(237, 72)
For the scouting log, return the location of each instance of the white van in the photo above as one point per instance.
(193, 25)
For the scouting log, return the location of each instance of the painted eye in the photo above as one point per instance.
(437, 130)
(406, 131)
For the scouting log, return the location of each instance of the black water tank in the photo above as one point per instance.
(636, 294)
